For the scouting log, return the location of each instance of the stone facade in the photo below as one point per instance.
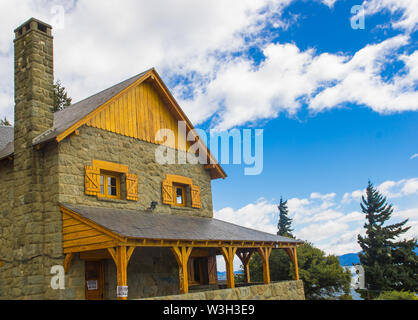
(77, 151)
(284, 290)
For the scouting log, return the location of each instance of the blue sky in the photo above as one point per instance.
(338, 105)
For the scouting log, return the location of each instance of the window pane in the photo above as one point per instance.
(111, 186)
(101, 185)
(179, 195)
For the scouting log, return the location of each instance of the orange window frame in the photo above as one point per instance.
(105, 185)
(183, 192)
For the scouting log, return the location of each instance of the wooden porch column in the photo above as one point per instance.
(228, 254)
(182, 255)
(245, 257)
(121, 256)
(265, 255)
(291, 252)
(67, 261)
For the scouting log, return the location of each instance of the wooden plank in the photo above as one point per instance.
(81, 235)
(95, 255)
(86, 241)
(91, 247)
(69, 223)
(76, 228)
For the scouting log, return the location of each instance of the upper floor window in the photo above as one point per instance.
(179, 195)
(174, 191)
(111, 180)
(109, 185)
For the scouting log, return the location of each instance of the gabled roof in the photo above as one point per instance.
(145, 225)
(6, 141)
(64, 119)
(71, 118)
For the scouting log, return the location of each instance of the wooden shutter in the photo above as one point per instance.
(92, 181)
(132, 187)
(196, 203)
(167, 191)
(212, 270)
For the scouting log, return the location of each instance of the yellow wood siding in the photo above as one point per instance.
(77, 234)
(139, 113)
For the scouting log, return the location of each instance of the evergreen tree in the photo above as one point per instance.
(61, 98)
(5, 122)
(389, 264)
(284, 221)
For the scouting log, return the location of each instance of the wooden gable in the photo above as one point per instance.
(139, 113)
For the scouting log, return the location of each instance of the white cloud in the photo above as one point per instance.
(195, 41)
(260, 216)
(289, 78)
(407, 10)
(414, 156)
(331, 225)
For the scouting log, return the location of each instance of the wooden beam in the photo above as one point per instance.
(112, 253)
(67, 261)
(182, 255)
(265, 255)
(129, 253)
(245, 257)
(228, 254)
(291, 252)
(121, 267)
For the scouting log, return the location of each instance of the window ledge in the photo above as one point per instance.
(182, 208)
(112, 200)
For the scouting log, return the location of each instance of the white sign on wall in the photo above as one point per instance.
(92, 285)
(122, 291)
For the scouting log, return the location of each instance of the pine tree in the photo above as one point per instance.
(284, 221)
(61, 98)
(386, 260)
(5, 122)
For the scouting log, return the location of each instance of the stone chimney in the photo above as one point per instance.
(34, 79)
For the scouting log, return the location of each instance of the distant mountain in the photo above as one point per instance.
(347, 260)
(222, 274)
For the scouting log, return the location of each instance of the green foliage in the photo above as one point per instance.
(397, 295)
(5, 122)
(284, 221)
(323, 276)
(389, 264)
(280, 267)
(61, 98)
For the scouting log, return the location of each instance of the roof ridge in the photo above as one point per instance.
(109, 88)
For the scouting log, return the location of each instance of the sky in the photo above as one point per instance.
(334, 89)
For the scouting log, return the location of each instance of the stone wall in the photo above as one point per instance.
(284, 290)
(151, 272)
(77, 151)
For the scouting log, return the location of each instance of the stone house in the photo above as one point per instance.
(81, 188)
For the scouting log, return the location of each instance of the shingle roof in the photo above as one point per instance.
(66, 118)
(145, 225)
(6, 141)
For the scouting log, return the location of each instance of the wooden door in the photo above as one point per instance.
(94, 280)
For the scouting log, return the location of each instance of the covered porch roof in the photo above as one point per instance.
(134, 224)
(120, 231)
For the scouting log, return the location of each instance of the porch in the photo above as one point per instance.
(100, 233)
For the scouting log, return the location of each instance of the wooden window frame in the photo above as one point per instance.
(107, 169)
(168, 191)
(183, 189)
(105, 175)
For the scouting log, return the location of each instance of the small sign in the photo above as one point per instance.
(122, 291)
(92, 285)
